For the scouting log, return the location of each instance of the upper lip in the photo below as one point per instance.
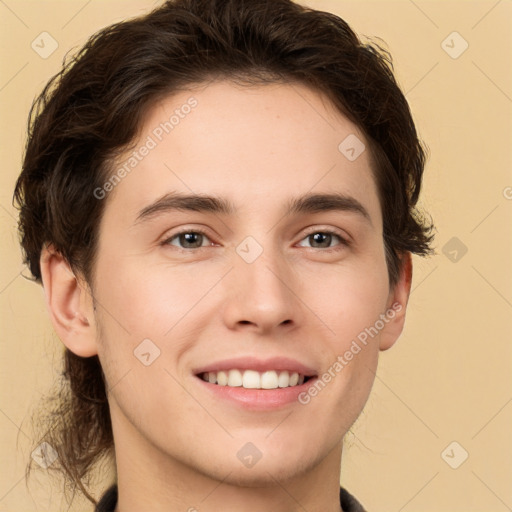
(259, 365)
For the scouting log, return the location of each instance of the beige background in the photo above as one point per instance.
(449, 378)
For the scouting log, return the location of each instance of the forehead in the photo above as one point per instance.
(256, 146)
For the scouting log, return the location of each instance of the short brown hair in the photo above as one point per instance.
(93, 108)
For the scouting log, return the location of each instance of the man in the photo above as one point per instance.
(219, 201)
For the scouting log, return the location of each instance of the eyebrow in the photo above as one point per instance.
(308, 203)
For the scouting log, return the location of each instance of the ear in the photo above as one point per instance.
(397, 305)
(69, 303)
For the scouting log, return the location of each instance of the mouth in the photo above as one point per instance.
(252, 379)
(255, 384)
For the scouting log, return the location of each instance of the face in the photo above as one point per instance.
(186, 286)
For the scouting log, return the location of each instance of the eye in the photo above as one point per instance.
(195, 239)
(189, 239)
(324, 239)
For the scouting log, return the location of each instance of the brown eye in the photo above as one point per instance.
(188, 240)
(324, 239)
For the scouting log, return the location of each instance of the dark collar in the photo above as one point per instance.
(109, 500)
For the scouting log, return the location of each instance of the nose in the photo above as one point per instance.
(262, 296)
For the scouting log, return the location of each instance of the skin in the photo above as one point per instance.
(258, 147)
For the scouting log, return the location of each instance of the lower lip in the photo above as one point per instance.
(258, 399)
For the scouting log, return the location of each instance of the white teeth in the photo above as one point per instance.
(283, 380)
(222, 378)
(294, 378)
(234, 378)
(269, 380)
(251, 379)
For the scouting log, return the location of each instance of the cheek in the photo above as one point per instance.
(350, 307)
(148, 300)
(348, 300)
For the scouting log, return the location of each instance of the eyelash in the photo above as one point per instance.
(343, 241)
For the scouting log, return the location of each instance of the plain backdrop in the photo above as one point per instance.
(444, 390)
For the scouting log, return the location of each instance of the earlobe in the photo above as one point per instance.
(397, 305)
(69, 304)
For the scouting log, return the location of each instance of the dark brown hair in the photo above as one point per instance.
(93, 109)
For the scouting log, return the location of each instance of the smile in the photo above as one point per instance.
(251, 379)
